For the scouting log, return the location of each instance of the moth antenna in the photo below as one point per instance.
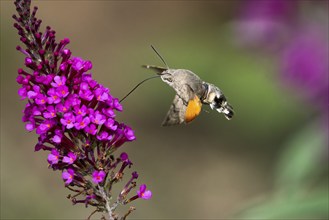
(160, 57)
(137, 87)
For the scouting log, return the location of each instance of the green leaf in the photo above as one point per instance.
(314, 206)
(301, 164)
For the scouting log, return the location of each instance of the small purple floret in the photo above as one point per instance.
(129, 134)
(68, 176)
(53, 157)
(143, 193)
(98, 176)
(124, 156)
(70, 158)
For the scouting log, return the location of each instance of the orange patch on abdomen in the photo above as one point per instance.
(193, 109)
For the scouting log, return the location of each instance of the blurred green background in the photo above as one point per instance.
(269, 161)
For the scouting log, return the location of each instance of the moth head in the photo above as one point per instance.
(217, 100)
(227, 110)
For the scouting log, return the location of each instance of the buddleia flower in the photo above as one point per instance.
(73, 115)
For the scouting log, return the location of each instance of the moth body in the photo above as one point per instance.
(191, 93)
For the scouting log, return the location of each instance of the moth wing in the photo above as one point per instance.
(185, 107)
(176, 113)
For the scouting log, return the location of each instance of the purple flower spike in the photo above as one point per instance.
(264, 23)
(304, 64)
(143, 193)
(98, 176)
(68, 176)
(53, 157)
(73, 115)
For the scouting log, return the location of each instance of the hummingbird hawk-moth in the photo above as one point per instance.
(191, 93)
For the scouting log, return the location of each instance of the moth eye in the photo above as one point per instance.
(220, 99)
(169, 79)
